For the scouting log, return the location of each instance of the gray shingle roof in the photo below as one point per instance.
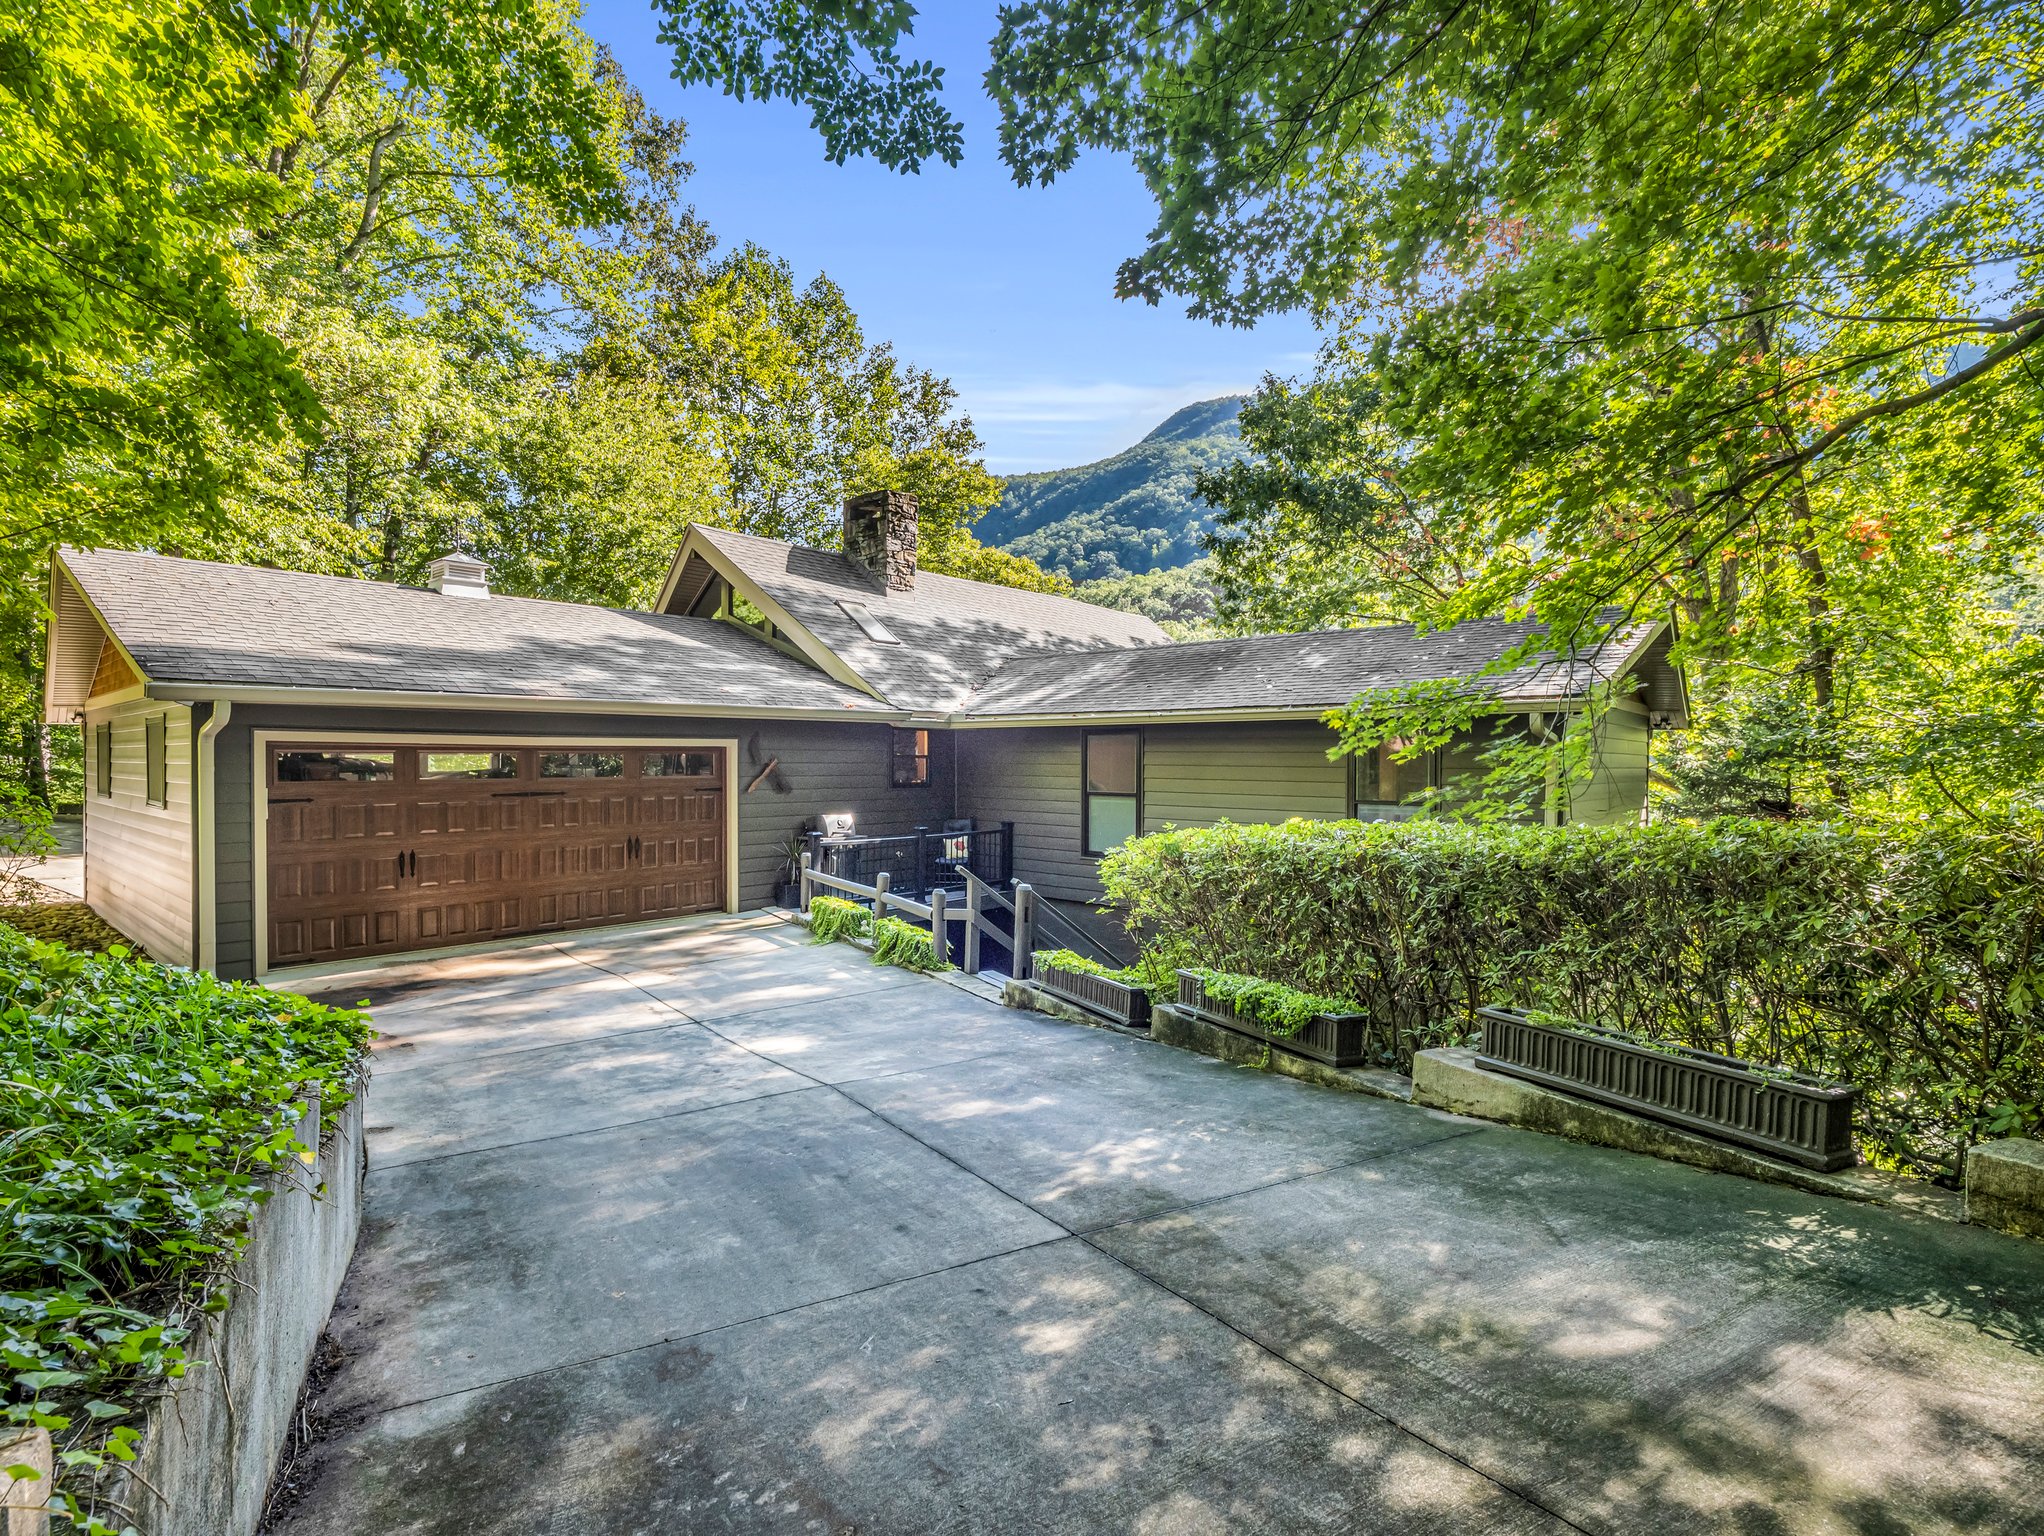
(1322, 670)
(953, 633)
(193, 621)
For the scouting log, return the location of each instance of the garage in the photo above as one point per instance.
(380, 848)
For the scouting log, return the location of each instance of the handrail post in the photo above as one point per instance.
(940, 923)
(972, 921)
(881, 883)
(926, 865)
(1025, 930)
(812, 861)
(1007, 853)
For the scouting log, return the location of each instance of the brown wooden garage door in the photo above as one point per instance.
(378, 849)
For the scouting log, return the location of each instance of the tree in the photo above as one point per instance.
(139, 147)
(1180, 598)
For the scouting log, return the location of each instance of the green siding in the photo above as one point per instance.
(1616, 790)
(1195, 775)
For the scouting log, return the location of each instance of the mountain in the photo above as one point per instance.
(1132, 513)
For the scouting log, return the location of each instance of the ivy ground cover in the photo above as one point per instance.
(145, 1110)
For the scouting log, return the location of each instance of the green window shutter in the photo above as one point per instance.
(103, 759)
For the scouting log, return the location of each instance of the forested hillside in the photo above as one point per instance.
(1135, 512)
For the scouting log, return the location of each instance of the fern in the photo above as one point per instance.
(905, 945)
(831, 917)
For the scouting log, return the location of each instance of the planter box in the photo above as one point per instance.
(1784, 1114)
(1119, 1002)
(1338, 1039)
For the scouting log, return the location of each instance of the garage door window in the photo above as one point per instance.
(581, 765)
(678, 765)
(329, 767)
(468, 765)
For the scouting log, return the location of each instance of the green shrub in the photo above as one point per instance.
(1909, 965)
(831, 918)
(146, 1109)
(905, 945)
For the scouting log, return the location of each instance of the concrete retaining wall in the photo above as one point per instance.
(210, 1442)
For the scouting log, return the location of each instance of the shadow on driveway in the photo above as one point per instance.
(710, 1230)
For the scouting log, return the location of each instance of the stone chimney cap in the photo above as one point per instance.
(459, 574)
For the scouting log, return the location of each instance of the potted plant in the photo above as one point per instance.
(1324, 1028)
(1786, 1114)
(1118, 996)
(788, 888)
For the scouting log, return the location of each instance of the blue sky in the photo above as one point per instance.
(1008, 291)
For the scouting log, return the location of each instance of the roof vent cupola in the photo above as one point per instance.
(459, 574)
(880, 536)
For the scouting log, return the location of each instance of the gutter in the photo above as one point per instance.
(205, 920)
(365, 698)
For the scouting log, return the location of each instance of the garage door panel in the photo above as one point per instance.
(407, 862)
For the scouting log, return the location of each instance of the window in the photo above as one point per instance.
(911, 759)
(1388, 789)
(1472, 756)
(331, 767)
(581, 765)
(103, 759)
(468, 765)
(869, 625)
(1113, 769)
(156, 751)
(678, 765)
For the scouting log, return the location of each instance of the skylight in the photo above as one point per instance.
(871, 627)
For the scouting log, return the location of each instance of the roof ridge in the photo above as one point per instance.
(386, 586)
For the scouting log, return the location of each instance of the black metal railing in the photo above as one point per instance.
(921, 861)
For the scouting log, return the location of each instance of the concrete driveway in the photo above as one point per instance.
(712, 1230)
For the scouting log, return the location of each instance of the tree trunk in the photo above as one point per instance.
(35, 767)
(1821, 657)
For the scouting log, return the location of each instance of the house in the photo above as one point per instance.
(287, 769)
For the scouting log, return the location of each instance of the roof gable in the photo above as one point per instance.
(949, 635)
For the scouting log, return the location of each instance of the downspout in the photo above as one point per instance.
(205, 917)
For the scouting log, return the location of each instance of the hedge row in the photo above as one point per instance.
(145, 1111)
(1908, 964)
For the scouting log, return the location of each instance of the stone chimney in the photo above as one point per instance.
(880, 536)
(459, 574)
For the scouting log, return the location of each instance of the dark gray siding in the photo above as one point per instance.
(1195, 775)
(1030, 776)
(827, 766)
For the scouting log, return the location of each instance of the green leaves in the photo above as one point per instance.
(1907, 964)
(840, 58)
(145, 1106)
(832, 918)
(898, 943)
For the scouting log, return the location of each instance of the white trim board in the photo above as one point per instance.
(264, 738)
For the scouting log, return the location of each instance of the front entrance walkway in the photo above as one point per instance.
(712, 1230)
